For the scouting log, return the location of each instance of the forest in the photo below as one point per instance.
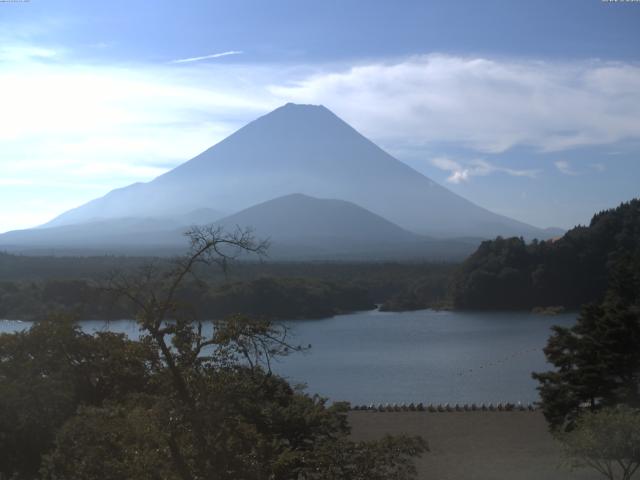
(509, 274)
(31, 287)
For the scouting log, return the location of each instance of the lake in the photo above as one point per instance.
(423, 356)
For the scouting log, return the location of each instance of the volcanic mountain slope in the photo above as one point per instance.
(100, 235)
(309, 150)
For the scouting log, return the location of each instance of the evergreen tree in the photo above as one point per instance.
(598, 360)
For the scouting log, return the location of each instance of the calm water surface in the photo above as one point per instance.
(424, 356)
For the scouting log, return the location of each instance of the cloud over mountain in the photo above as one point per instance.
(462, 172)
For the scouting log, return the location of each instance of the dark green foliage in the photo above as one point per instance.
(275, 290)
(285, 298)
(384, 459)
(598, 360)
(429, 291)
(268, 297)
(79, 298)
(47, 372)
(109, 410)
(571, 271)
(111, 442)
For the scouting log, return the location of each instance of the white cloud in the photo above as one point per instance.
(487, 105)
(62, 113)
(565, 167)
(24, 53)
(462, 172)
(444, 163)
(207, 57)
(100, 127)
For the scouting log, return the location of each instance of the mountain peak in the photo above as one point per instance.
(301, 113)
(302, 106)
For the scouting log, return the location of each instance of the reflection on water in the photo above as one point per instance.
(423, 356)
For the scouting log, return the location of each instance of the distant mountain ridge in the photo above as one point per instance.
(297, 227)
(302, 149)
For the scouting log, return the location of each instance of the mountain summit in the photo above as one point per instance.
(301, 149)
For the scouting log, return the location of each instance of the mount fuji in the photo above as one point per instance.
(295, 149)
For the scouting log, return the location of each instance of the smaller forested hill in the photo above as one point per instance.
(507, 273)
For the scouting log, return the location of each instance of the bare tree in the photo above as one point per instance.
(178, 334)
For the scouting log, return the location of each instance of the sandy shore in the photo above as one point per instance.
(475, 445)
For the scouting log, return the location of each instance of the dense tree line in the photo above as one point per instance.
(30, 287)
(286, 298)
(508, 273)
(377, 277)
(266, 297)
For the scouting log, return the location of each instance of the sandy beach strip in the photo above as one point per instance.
(475, 445)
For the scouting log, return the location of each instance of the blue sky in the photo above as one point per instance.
(529, 108)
